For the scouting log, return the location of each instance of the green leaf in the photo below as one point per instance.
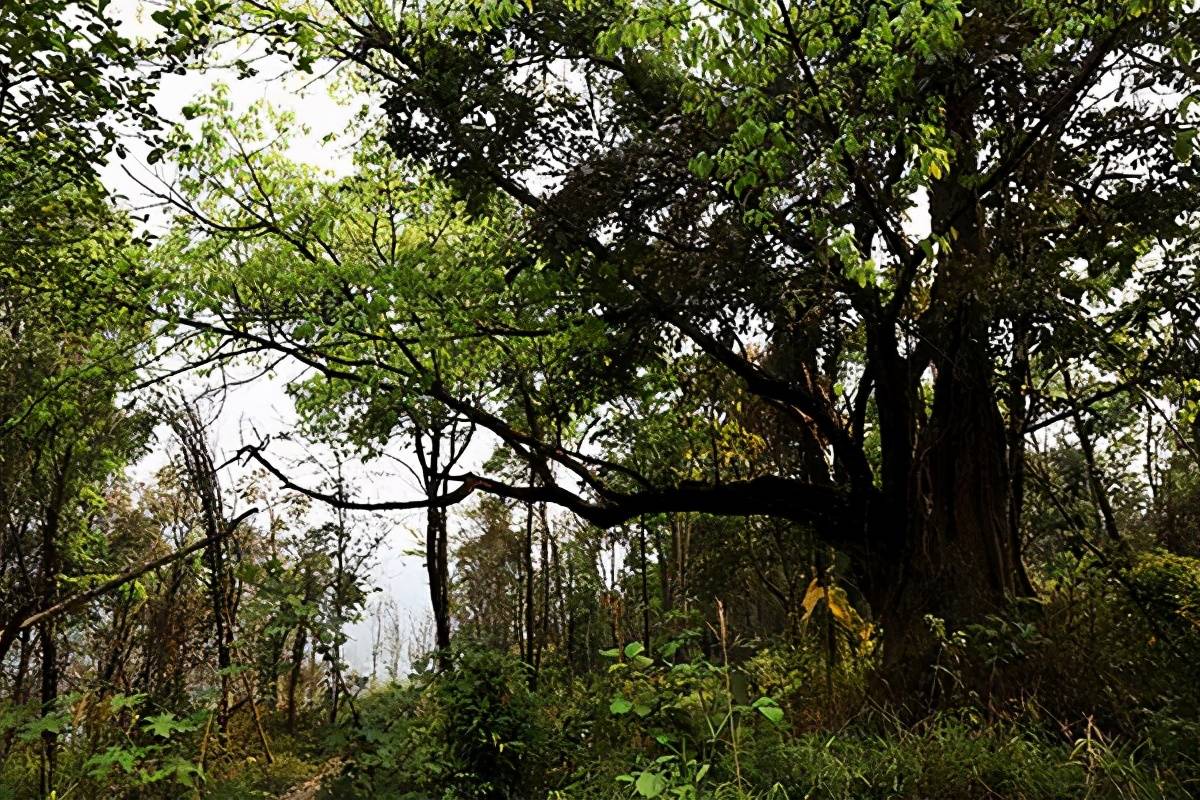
(163, 725)
(1184, 143)
(701, 165)
(650, 784)
(773, 713)
(769, 709)
(99, 765)
(620, 705)
(633, 649)
(55, 722)
(122, 701)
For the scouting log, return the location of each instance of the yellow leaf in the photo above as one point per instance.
(811, 598)
(839, 606)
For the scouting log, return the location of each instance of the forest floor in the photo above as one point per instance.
(308, 789)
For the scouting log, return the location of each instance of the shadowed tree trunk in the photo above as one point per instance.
(947, 491)
(438, 569)
(298, 646)
(1096, 482)
(447, 441)
(51, 564)
(951, 553)
(530, 629)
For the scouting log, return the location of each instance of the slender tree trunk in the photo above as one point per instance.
(437, 546)
(19, 692)
(530, 630)
(1151, 475)
(47, 633)
(49, 696)
(645, 586)
(116, 646)
(438, 571)
(1018, 416)
(335, 684)
(215, 558)
(664, 577)
(1096, 481)
(298, 645)
(202, 473)
(544, 561)
(570, 611)
(560, 599)
(338, 614)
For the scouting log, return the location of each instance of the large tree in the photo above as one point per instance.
(896, 225)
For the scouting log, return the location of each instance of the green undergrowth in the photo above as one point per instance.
(1088, 692)
(947, 755)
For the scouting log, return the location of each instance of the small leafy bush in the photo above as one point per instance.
(473, 731)
(111, 743)
(684, 721)
(1109, 643)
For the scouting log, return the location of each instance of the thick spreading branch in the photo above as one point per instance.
(828, 509)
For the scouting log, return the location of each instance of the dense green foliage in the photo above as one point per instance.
(799, 400)
(685, 727)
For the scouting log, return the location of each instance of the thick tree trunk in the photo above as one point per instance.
(948, 517)
(957, 560)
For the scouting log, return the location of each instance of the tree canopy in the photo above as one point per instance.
(879, 243)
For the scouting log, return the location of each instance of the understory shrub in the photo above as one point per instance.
(475, 730)
(1110, 643)
(1078, 694)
